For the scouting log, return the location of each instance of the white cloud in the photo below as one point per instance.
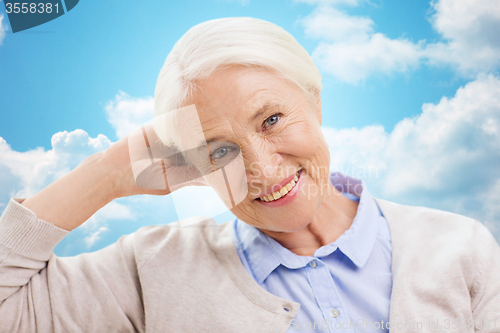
(3, 28)
(98, 223)
(23, 174)
(457, 137)
(448, 157)
(28, 172)
(334, 25)
(112, 211)
(355, 61)
(351, 51)
(357, 152)
(471, 32)
(94, 236)
(127, 113)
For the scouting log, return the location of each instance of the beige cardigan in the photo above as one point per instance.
(171, 279)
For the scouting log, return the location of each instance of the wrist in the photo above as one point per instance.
(115, 170)
(99, 172)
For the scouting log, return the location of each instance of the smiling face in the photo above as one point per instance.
(277, 129)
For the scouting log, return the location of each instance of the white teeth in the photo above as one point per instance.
(282, 191)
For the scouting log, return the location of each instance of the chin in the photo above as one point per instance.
(295, 221)
(289, 218)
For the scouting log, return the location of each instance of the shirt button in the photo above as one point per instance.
(334, 313)
(313, 263)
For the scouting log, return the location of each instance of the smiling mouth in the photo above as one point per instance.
(282, 191)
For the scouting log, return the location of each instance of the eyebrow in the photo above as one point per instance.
(215, 138)
(260, 111)
(203, 144)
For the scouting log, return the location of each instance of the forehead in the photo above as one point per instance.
(232, 96)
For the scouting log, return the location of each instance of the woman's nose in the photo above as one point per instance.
(262, 164)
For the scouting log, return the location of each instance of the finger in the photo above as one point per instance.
(153, 177)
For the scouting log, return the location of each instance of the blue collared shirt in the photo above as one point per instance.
(345, 285)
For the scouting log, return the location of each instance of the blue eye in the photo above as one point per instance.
(220, 152)
(271, 120)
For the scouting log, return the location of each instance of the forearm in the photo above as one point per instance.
(75, 197)
(42, 293)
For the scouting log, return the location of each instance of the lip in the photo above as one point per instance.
(276, 187)
(289, 197)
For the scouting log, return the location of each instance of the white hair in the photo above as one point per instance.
(214, 44)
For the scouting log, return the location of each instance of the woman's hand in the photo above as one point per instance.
(156, 168)
(116, 159)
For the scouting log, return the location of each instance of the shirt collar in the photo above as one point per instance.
(260, 258)
(357, 242)
(264, 254)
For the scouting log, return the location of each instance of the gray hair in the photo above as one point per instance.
(213, 44)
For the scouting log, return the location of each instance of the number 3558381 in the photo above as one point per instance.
(31, 8)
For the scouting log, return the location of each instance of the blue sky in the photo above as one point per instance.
(410, 89)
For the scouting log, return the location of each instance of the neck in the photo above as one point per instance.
(333, 218)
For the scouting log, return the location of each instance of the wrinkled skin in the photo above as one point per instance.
(278, 131)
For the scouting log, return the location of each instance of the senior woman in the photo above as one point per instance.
(309, 250)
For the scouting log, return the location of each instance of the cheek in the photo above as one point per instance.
(230, 182)
(254, 148)
(304, 140)
(248, 211)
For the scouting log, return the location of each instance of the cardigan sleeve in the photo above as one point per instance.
(40, 292)
(486, 288)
